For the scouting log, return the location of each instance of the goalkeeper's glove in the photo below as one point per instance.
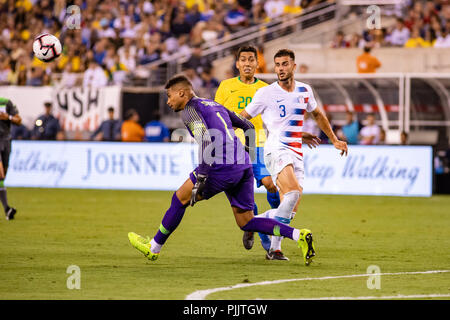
(198, 188)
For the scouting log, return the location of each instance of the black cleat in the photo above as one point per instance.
(248, 239)
(276, 255)
(10, 213)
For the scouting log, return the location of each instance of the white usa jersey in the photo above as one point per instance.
(282, 113)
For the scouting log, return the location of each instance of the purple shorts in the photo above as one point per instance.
(237, 185)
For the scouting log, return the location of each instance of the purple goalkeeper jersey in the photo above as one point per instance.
(211, 125)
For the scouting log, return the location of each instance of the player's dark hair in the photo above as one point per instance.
(177, 80)
(247, 49)
(367, 49)
(284, 53)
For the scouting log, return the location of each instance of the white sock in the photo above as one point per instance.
(284, 211)
(155, 246)
(275, 244)
(296, 234)
(287, 206)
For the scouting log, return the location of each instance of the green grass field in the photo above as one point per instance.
(56, 228)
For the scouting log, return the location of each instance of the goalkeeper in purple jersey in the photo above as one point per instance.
(224, 165)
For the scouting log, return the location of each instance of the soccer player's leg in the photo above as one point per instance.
(4, 155)
(288, 182)
(151, 248)
(276, 163)
(273, 198)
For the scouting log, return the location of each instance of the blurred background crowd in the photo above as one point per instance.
(424, 24)
(116, 36)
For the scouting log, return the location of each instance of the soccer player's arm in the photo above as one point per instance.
(324, 124)
(255, 107)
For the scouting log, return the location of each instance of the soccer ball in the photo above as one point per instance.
(47, 47)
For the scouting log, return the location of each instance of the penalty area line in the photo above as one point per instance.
(202, 294)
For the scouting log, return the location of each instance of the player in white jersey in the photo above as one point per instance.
(282, 106)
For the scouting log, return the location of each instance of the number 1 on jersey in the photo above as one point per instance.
(225, 124)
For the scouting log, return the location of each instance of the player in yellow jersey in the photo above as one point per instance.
(235, 94)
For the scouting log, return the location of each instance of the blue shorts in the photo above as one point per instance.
(237, 185)
(259, 168)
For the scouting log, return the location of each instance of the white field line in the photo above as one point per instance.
(399, 296)
(202, 294)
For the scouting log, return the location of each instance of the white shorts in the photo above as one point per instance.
(276, 160)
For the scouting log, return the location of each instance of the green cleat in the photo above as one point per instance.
(143, 245)
(305, 242)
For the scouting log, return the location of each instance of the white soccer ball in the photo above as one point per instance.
(47, 47)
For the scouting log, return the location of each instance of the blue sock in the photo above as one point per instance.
(273, 199)
(171, 220)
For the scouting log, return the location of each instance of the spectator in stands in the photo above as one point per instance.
(367, 63)
(274, 8)
(131, 130)
(399, 35)
(293, 7)
(100, 49)
(443, 40)
(303, 68)
(156, 131)
(68, 79)
(356, 41)
(212, 30)
(179, 25)
(193, 77)
(109, 130)
(36, 77)
(46, 126)
(5, 70)
(197, 61)
(339, 41)
(72, 57)
(416, 41)
(20, 132)
(236, 18)
(193, 14)
(430, 37)
(262, 65)
(94, 76)
(209, 84)
(118, 71)
(350, 131)
(370, 133)
(105, 30)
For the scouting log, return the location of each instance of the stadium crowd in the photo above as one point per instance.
(425, 24)
(112, 37)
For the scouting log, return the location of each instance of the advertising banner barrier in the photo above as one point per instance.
(77, 108)
(367, 170)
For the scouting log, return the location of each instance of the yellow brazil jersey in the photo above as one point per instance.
(235, 95)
